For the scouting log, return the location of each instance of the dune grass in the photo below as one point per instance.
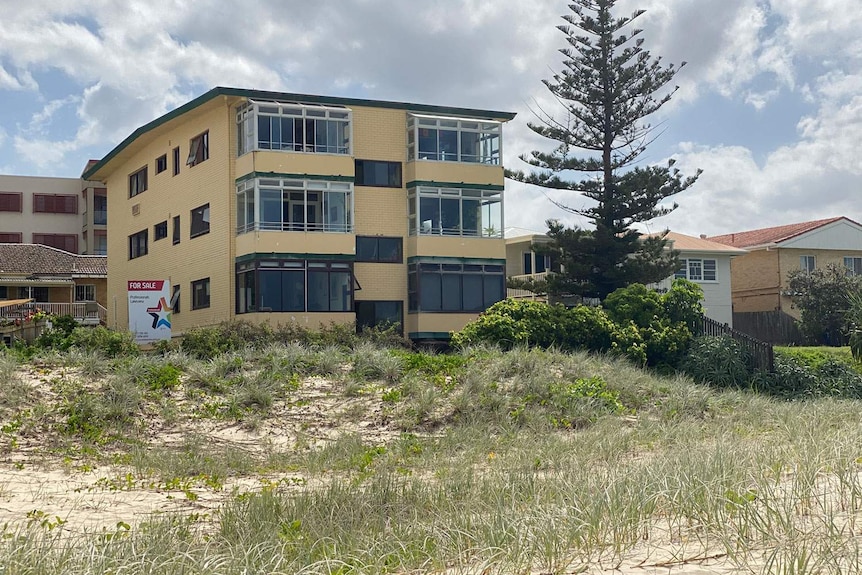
(518, 462)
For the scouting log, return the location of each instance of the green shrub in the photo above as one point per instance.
(587, 328)
(683, 304)
(720, 361)
(634, 303)
(102, 340)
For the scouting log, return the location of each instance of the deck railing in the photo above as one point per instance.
(85, 313)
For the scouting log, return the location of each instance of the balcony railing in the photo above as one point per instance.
(85, 313)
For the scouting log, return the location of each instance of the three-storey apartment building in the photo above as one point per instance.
(281, 207)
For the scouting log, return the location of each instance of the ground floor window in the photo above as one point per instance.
(450, 287)
(38, 293)
(201, 293)
(379, 314)
(294, 285)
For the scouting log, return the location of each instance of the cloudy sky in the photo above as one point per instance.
(769, 104)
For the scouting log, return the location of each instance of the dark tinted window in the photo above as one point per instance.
(374, 249)
(376, 173)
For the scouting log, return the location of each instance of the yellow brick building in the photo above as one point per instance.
(277, 207)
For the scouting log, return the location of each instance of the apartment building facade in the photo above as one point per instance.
(65, 213)
(279, 207)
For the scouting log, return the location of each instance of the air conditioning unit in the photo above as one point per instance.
(136, 209)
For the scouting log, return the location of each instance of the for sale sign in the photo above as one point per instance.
(150, 310)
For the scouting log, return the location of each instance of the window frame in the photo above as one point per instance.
(486, 127)
(88, 289)
(855, 267)
(361, 173)
(319, 198)
(200, 219)
(176, 158)
(297, 117)
(161, 163)
(708, 270)
(176, 231)
(160, 231)
(807, 263)
(432, 224)
(199, 149)
(138, 182)
(198, 287)
(251, 287)
(361, 326)
(63, 239)
(397, 259)
(424, 275)
(139, 244)
(55, 203)
(7, 203)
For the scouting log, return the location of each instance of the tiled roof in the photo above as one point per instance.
(686, 243)
(774, 235)
(36, 259)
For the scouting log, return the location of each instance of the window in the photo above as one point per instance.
(459, 288)
(100, 209)
(201, 293)
(294, 205)
(4, 292)
(380, 174)
(161, 163)
(138, 244)
(199, 149)
(453, 139)
(175, 299)
(697, 270)
(806, 263)
(101, 243)
(528, 263)
(138, 182)
(160, 231)
(455, 212)
(11, 202)
(377, 249)
(67, 242)
(176, 155)
(379, 314)
(176, 236)
(200, 221)
(291, 127)
(11, 237)
(86, 292)
(853, 265)
(294, 285)
(55, 203)
(38, 293)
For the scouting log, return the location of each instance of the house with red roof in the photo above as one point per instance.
(759, 278)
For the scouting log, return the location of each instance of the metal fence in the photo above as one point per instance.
(762, 354)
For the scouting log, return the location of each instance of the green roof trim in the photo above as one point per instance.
(461, 185)
(288, 256)
(455, 260)
(253, 175)
(289, 97)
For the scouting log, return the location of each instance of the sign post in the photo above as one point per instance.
(149, 310)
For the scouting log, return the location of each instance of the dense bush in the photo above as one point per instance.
(638, 323)
(720, 361)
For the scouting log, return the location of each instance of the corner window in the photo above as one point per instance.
(377, 249)
(176, 233)
(161, 163)
(138, 244)
(201, 294)
(199, 149)
(294, 285)
(86, 292)
(379, 174)
(11, 202)
(200, 221)
(453, 139)
(293, 127)
(160, 231)
(138, 182)
(454, 288)
(455, 212)
(806, 263)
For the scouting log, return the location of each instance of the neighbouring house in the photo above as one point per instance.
(280, 207)
(38, 277)
(702, 261)
(760, 277)
(708, 264)
(66, 213)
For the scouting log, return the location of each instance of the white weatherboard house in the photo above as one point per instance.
(707, 264)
